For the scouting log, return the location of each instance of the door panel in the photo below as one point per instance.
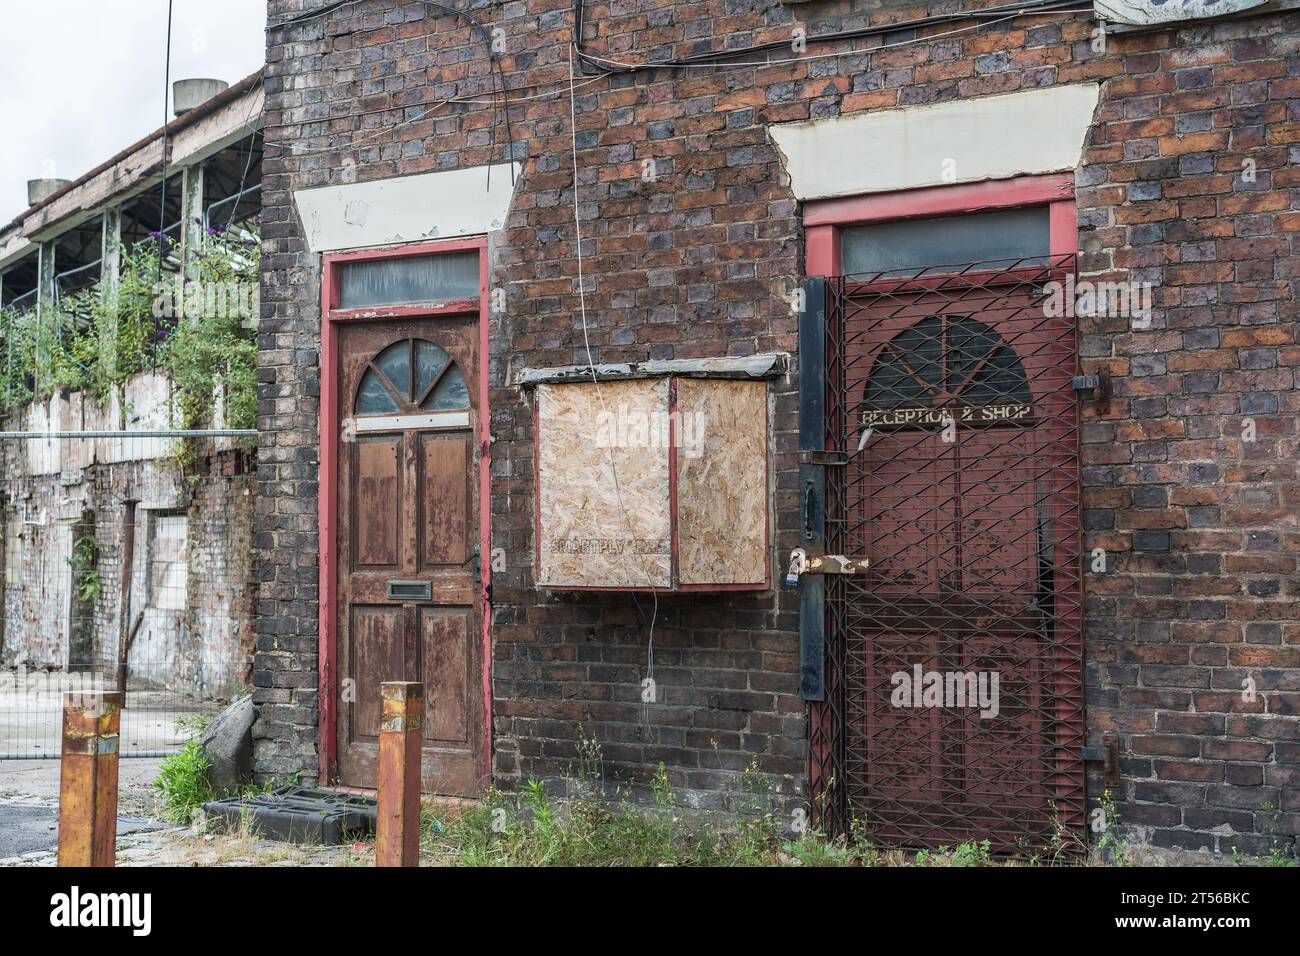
(376, 646)
(408, 514)
(375, 514)
(445, 650)
(446, 479)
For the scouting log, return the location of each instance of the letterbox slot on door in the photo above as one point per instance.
(410, 591)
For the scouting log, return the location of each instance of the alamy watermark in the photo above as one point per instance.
(636, 428)
(1084, 298)
(949, 689)
(196, 299)
(40, 684)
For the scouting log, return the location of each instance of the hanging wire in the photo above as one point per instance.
(162, 195)
(248, 160)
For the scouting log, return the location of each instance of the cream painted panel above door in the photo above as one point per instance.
(970, 140)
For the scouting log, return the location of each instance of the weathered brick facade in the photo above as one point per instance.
(195, 634)
(1199, 524)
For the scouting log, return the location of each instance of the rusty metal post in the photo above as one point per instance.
(88, 779)
(397, 819)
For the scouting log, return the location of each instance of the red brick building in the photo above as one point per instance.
(999, 299)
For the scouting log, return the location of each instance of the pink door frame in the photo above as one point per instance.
(331, 319)
(824, 218)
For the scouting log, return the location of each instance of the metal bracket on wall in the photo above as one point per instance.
(827, 459)
(1099, 385)
(1108, 756)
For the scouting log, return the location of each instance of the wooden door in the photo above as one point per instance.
(407, 543)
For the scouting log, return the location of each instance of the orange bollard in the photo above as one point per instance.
(397, 820)
(88, 779)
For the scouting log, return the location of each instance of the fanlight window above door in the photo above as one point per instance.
(412, 384)
(946, 365)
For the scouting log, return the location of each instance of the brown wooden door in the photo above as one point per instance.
(407, 542)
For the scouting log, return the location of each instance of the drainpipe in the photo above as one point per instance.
(124, 636)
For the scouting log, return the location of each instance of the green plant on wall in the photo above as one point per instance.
(85, 555)
(98, 338)
(17, 340)
(211, 353)
(95, 340)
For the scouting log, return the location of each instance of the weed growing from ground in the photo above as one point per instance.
(182, 782)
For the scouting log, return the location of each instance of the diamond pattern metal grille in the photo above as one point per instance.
(951, 393)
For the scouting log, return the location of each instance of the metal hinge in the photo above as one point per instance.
(832, 459)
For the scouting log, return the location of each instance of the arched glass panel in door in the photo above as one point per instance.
(412, 383)
(957, 365)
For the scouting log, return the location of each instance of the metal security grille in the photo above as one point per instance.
(953, 704)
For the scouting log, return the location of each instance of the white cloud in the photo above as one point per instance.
(82, 79)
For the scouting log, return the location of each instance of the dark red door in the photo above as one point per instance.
(962, 648)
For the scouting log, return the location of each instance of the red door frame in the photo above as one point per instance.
(331, 319)
(824, 218)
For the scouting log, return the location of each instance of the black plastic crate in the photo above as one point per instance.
(297, 815)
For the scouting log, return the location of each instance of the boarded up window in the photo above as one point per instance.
(168, 562)
(721, 482)
(604, 518)
(614, 459)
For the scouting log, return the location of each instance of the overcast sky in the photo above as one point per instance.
(81, 79)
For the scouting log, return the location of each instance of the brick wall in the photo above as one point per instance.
(1198, 527)
(1189, 184)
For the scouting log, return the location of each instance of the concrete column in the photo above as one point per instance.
(110, 264)
(191, 219)
(110, 255)
(46, 319)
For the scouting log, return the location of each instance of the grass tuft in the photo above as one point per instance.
(182, 782)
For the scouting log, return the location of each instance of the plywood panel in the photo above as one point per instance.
(445, 666)
(375, 654)
(594, 532)
(721, 481)
(445, 473)
(375, 505)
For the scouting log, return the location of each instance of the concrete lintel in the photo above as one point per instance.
(405, 209)
(128, 176)
(968, 140)
(763, 365)
(225, 127)
(1134, 16)
(140, 168)
(14, 247)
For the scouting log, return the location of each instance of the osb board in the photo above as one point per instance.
(721, 481)
(592, 532)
